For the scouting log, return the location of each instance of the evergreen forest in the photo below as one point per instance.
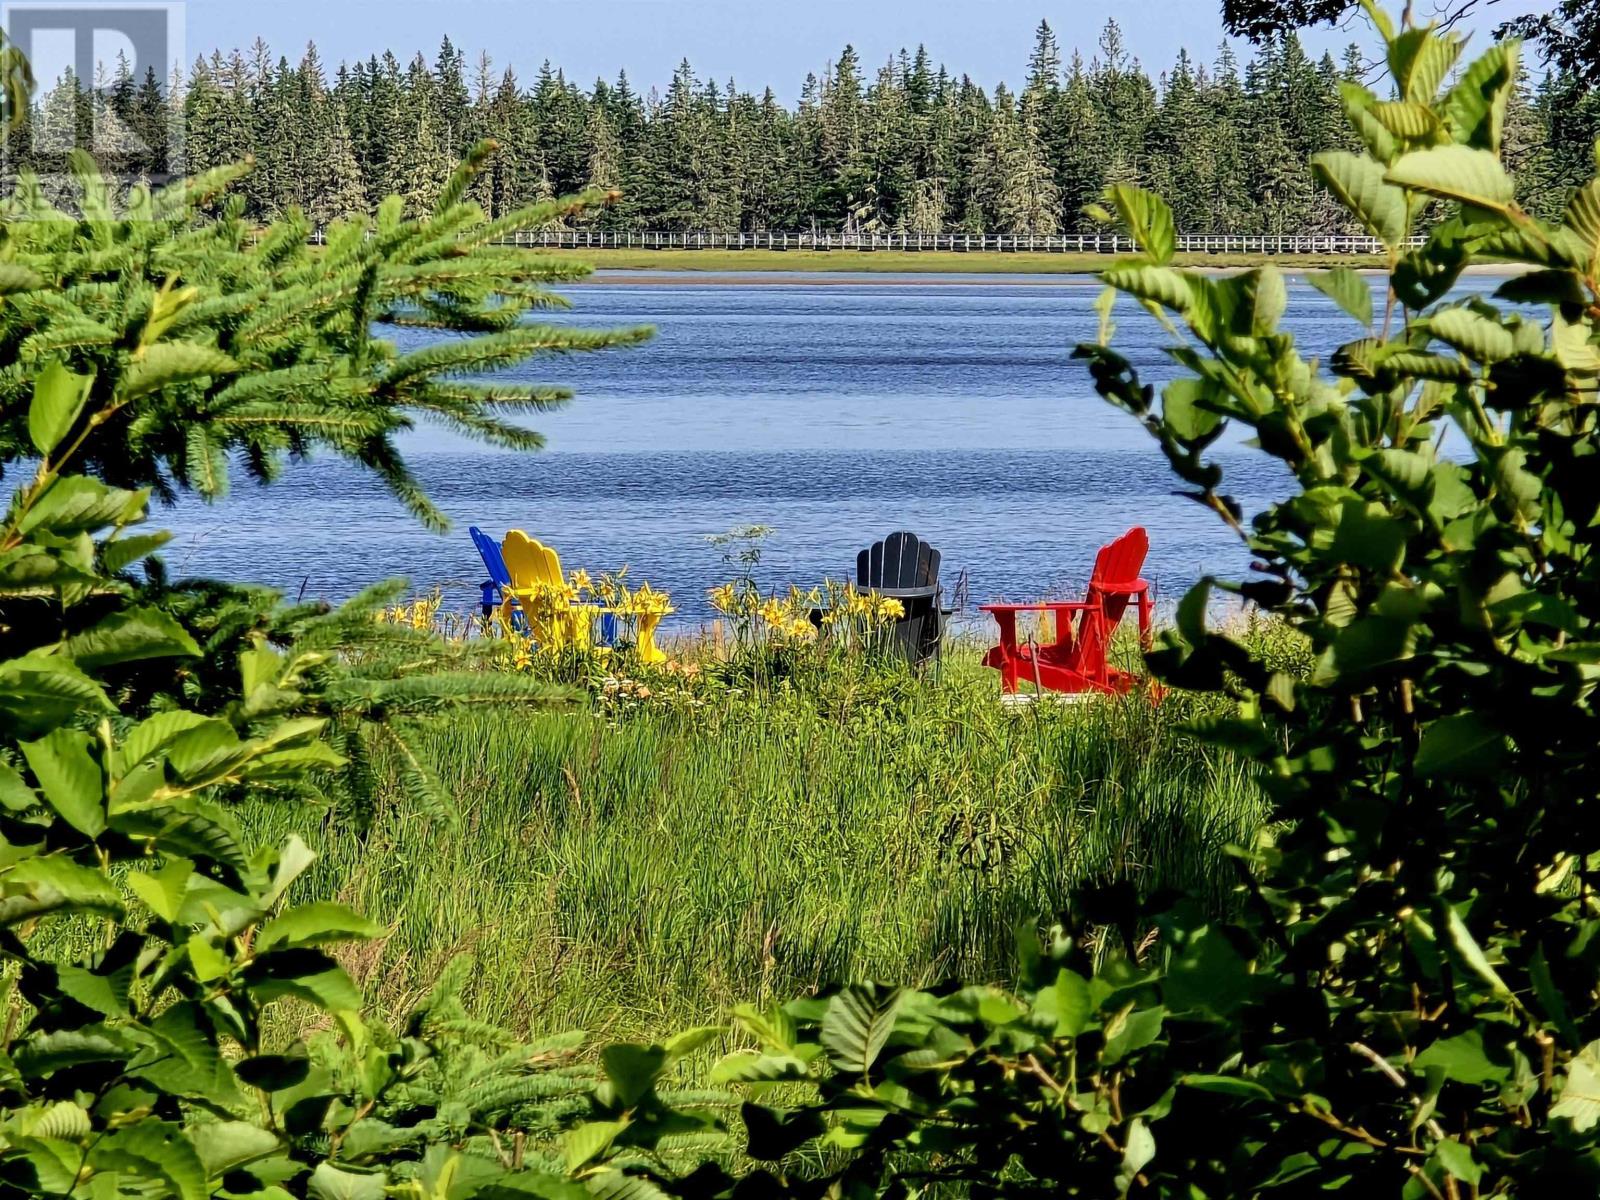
(907, 146)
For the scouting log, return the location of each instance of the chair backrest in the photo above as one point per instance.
(530, 562)
(1117, 564)
(901, 560)
(493, 561)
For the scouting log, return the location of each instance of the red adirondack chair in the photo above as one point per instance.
(1076, 661)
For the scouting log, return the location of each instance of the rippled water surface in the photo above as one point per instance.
(835, 409)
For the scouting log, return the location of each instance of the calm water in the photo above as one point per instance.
(835, 409)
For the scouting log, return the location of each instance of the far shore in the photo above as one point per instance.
(758, 268)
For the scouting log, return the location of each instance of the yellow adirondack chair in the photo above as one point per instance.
(556, 619)
(540, 588)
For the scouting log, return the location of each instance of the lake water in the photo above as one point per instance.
(835, 409)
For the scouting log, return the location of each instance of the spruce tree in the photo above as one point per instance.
(1028, 201)
(920, 149)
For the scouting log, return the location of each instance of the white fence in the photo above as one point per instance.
(1003, 243)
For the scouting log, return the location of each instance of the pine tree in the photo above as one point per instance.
(1027, 201)
(453, 103)
(841, 125)
(1044, 65)
(919, 149)
(340, 191)
(1081, 143)
(150, 120)
(424, 164)
(386, 129)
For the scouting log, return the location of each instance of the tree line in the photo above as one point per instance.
(910, 148)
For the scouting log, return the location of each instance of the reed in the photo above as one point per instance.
(631, 869)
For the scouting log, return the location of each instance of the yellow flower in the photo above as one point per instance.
(723, 598)
(891, 608)
(581, 583)
(772, 612)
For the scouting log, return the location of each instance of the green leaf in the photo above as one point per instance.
(1467, 946)
(1147, 218)
(1269, 297)
(1547, 286)
(156, 1151)
(589, 1141)
(1136, 1155)
(53, 882)
(1462, 1059)
(857, 1023)
(1458, 746)
(1131, 1033)
(155, 734)
(63, 1121)
(1472, 333)
(617, 1185)
(1420, 59)
(208, 962)
(1456, 1158)
(1460, 173)
(1066, 1003)
(319, 924)
(1580, 1091)
(76, 504)
(1228, 1085)
(228, 1145)
(42, 691)
(1358, 183)
(1157, 285)
(162, 891)
(1475, 108)
(106, 994)
(58, 400)
(307, 975)
(1185, 411)
(633, 1070)
(273, 1072)
(131, 635)
(41, 1055)
(681, 1045)
(1346, 288)
(15, 794)
(168, 363)
(71, 779)
(329, 1182)
(1358, 104)
(750, 1067)
(1406, 119)
(121, 553)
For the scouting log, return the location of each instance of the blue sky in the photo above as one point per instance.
(754, 41)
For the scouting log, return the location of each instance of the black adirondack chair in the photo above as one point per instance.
(907, 568)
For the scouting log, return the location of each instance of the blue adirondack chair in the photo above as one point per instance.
(499, 578)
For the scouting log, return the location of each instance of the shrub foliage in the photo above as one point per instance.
(1406, 1004)
(143, 941)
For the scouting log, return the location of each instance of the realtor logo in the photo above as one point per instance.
(101, 70)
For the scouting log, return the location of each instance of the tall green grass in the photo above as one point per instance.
(633, 875)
